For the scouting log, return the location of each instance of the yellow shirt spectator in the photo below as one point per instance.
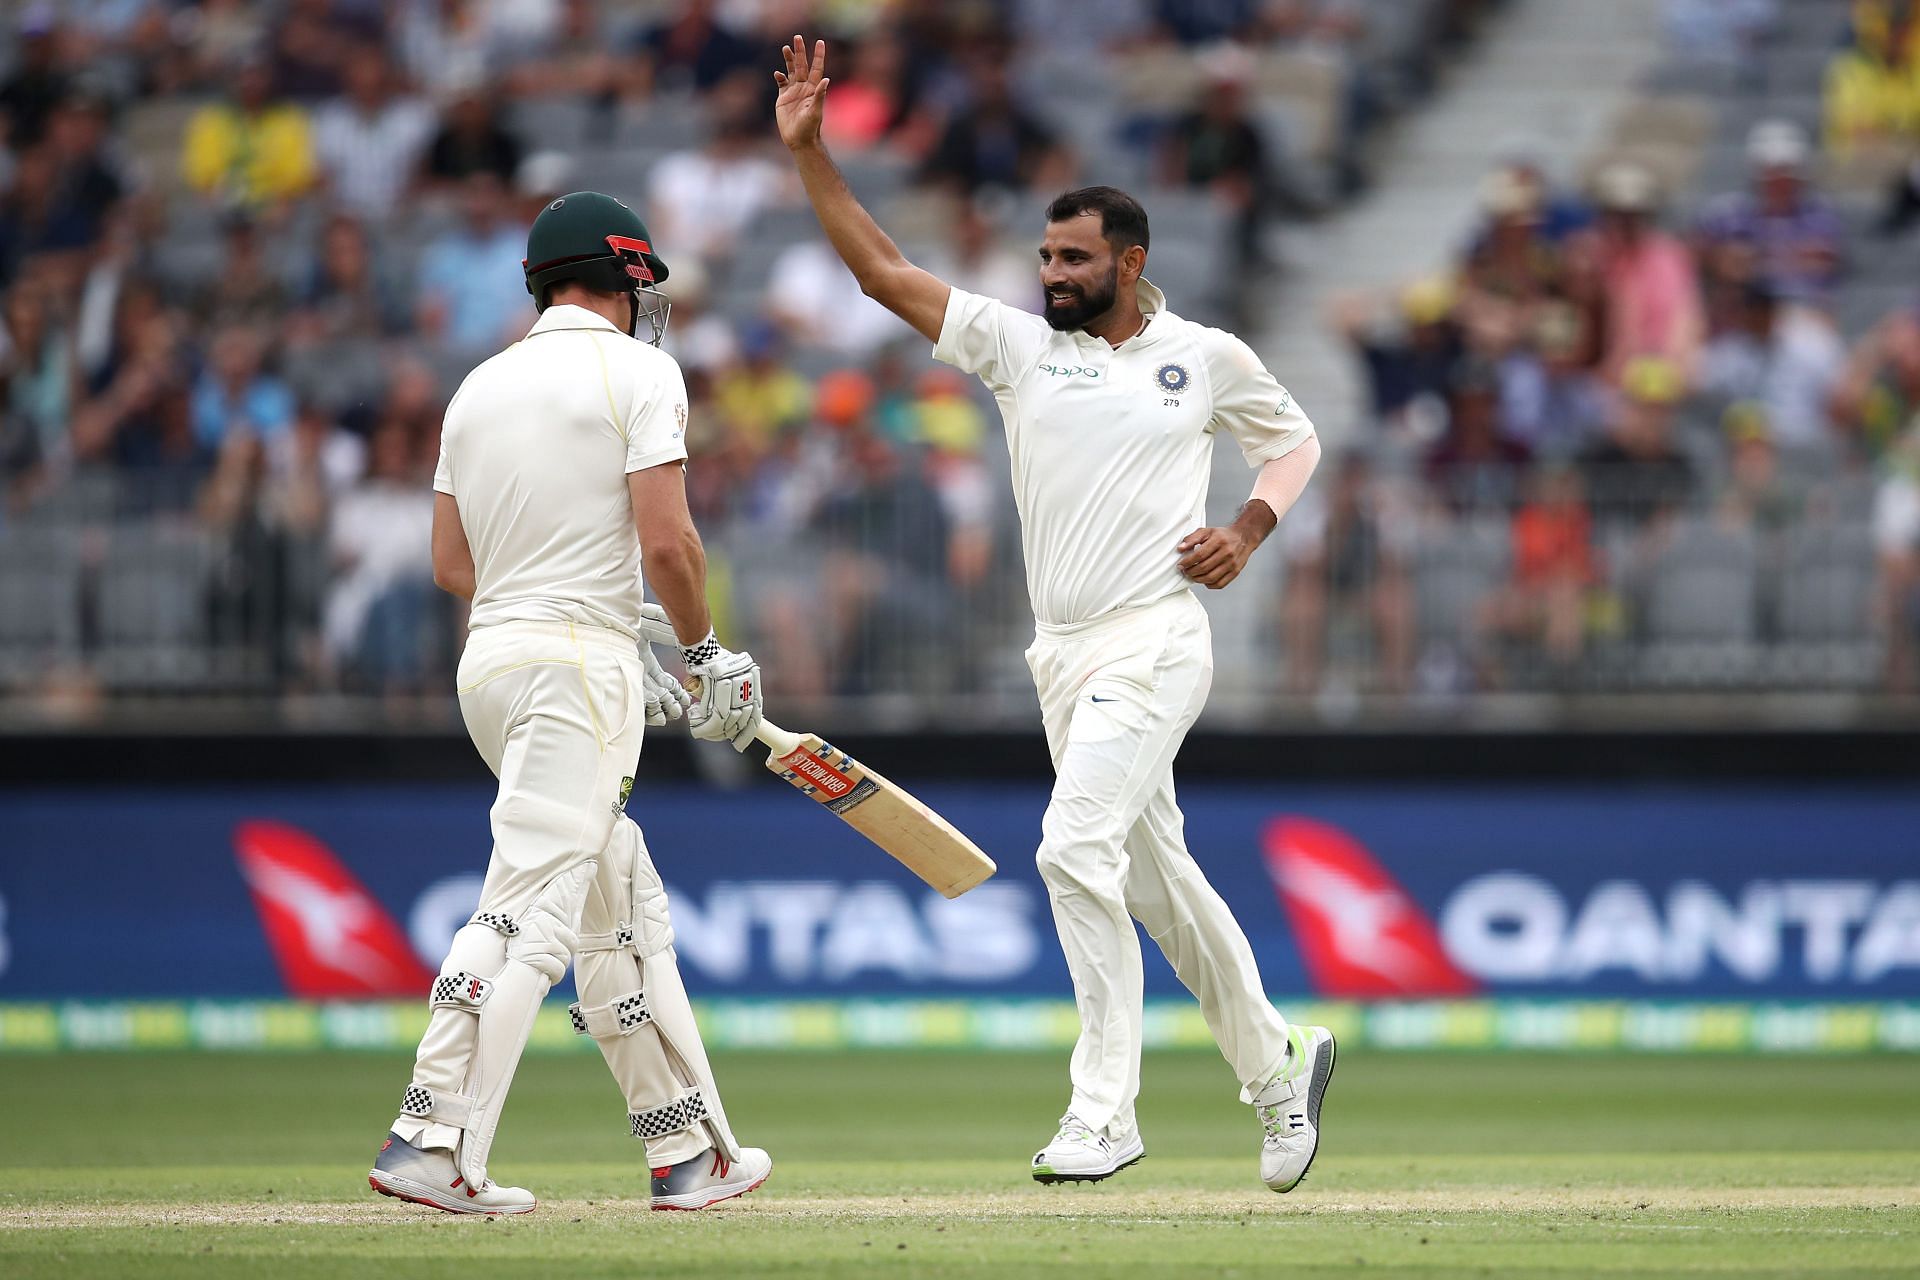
(257, 156)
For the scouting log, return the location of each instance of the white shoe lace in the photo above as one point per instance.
(1072, 1129)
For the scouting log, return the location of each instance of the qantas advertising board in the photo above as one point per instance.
(343, 892)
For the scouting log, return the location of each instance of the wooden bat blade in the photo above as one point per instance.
(884, 812)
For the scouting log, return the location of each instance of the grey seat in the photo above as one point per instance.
(1702, 607)
(40, 575)
(1456, 567)
(1825, 615)
(152, 606)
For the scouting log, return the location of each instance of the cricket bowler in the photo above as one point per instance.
(1111, 402)
(561, 467)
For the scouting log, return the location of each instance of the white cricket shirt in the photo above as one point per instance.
(1112, 446)
(536, 448)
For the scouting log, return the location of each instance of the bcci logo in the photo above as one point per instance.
(1172, 378)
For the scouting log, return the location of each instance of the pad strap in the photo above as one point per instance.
(498, 921)
(684, 1112)
(621, 939)
(460, 990)
(614, 1018)
(455, 1109)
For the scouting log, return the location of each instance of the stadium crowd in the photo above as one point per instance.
(247, 251)
(1633, 417)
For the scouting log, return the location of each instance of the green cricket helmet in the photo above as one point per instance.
(600, 242)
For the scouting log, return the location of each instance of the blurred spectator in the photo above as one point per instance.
(1544, 603)
(138, 412)
(696, 50)
(472, 292)
(235, 393)
(1653, 304)
(702, 201)
(977, 257)
(88, 178)
(888, 597)
(576, 58)
(39, 80)
(1551, 400)
(1896, 535)
(317, 43)
(992, 140)
(818, 304)
(1345, 558)
(443, 44)
(346, 298)
(36, 358)
(1512, 262)
(247, 289)
(369, 141)
(876, 98)
(1787, 358)
(761, 396)
(1726, 33)
(700, 340)
(1878, 396)
(1216, 147)
(1410, 356)
(380, 619)
(1476, 465)
(472, 139)
(951, 428)
(1781, 233)
(1757, 495)
(1638, 471)
(222, 35)
(252, 149)
(1872, 93)
(1202, 22)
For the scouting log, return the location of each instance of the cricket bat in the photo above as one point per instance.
(884, 812)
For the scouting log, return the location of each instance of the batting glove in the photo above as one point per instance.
(727, 702)
(666, 698)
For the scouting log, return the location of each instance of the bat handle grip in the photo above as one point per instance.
(777, 740)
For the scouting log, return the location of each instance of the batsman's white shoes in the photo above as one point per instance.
(1289, 1108)
(406, 1172)
(1080, 1154)
(709, 1178)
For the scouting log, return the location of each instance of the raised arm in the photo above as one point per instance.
(885, 275)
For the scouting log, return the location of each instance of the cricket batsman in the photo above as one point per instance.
(1111, 402)
(561, 467)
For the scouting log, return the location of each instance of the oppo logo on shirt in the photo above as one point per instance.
(1069, 370)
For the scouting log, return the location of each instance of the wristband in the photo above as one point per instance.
(698, 655)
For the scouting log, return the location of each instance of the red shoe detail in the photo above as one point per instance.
(386, 1144)
(661, 1173)
(456, 1182)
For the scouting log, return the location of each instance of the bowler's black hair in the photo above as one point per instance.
(1122, 221)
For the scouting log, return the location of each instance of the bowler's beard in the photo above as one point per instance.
(1075, 313)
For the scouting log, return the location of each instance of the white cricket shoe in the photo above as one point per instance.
(709, 1178)
(1289, 1108)
(430, 1177)
(1080, 1154)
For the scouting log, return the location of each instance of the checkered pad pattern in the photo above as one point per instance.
(497, 921)
(417, 1102)
(460, 991)
(628, 1012)
(696, 655)
(682, 1113)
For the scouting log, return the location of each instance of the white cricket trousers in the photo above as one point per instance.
(557, 711)
(1117, 696)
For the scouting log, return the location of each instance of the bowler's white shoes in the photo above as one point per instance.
(1289, 1108)
(430, 1177)
(1080, 1154)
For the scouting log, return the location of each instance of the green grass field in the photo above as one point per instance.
(914, 1163)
